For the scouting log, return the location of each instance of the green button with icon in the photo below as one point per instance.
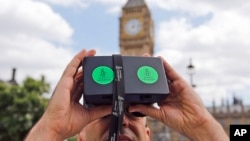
(147, 74)
(103, 75)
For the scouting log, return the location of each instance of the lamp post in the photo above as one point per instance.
(191, 72)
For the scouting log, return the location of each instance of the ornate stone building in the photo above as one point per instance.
(234, 113)
(136, 29)
(137, 38)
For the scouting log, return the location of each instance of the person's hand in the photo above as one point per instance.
(65, 116)
(183, 110)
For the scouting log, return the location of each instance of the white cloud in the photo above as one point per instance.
(34, 18)
(69, 3)
(113, 6)
(34, 39)
(193, 7)
(219, 47)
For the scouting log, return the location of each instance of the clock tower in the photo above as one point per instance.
(136, 29)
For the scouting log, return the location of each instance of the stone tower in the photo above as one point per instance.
(136, 35)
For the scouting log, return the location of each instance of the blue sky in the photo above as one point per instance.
(41, 36)
(93, 27)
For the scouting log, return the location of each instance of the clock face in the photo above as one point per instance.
(133, 27)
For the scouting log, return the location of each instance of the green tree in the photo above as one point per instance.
(21, 106)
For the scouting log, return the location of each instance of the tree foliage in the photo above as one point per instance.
(21, 106)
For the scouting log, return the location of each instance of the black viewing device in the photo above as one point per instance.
(144, 79)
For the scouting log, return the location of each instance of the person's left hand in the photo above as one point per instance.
(65, 116)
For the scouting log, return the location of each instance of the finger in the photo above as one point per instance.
(74, 63)
(99, 111)
(170, 72)
(78, 79)
(77, 90)
(91, 52)
(146, 55)
(148, 110)
(78, 74)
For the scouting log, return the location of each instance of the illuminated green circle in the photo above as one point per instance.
(147, 74)
(103, 75)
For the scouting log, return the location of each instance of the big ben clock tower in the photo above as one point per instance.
(136, 29)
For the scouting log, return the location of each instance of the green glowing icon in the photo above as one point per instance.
(147, 74)
(103, 75)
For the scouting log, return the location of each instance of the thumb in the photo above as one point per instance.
(148, 110)
(99, 111)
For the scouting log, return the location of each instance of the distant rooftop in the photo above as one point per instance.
(12, 81)
(134, 3)
(230, 109)
(236, 106)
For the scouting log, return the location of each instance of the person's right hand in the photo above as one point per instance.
(65, 116)
(183, 110)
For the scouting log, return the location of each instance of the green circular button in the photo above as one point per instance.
(147, 74)
(103, 75)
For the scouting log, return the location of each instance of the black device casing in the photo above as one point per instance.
(135, 90)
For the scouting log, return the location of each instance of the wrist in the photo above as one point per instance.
(42, 132)
(210, 130)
